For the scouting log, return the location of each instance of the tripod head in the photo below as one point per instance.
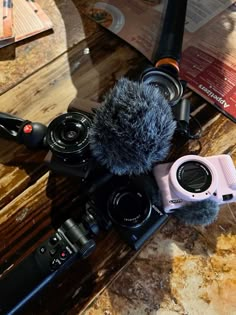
(31, 134)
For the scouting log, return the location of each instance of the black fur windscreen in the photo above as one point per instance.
(203, 212)
(132, 129)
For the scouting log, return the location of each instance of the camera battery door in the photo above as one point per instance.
(52, 257)
(170, 201)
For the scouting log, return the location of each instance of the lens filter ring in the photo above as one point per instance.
(193, 178)
(67, 135)
(170, 87)
(128, 207)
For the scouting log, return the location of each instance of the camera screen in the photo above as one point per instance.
(194, 177)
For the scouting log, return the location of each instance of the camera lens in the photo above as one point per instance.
(67, 135)
(128, 207)
(194, 176)
(169, 87)
(71, 132)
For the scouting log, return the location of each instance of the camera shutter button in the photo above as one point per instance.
(64, 254)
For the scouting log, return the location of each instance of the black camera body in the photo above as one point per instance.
(70, 242)
(132, 205)
(67, 139)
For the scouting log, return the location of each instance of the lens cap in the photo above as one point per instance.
(129, 207)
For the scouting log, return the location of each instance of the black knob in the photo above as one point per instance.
(32, 135)
(77, 236)
(87, 248)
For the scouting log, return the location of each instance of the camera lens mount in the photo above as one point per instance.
(128, 207)
(67, 136)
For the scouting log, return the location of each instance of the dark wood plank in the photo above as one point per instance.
(32, 201)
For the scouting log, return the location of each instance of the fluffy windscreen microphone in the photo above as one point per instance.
(203, 212)
(132, 129)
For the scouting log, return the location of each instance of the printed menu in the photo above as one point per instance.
(21, 19)
(6, 25)
(208, 61)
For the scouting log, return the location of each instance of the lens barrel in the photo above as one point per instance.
(128, 207)
(67, 136)
(170, 87)
(194, 177)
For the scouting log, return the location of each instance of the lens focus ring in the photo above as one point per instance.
(67, 135)
(169, 86)
(128, 207)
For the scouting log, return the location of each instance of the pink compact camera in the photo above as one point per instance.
(194, 178)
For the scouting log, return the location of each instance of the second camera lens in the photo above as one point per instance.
(129, 207)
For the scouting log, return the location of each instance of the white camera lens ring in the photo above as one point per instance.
(185, 194)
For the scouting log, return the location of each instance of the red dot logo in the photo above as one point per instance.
(27, 129)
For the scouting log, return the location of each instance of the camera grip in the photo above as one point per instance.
(51, 258)
(31, 134)
(170, 44)
(20, 284)
(10, 125)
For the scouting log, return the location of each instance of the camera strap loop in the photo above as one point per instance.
(10, 125)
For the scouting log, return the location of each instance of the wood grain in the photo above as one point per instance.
(33, 201)
(22, 59)
(26, 207)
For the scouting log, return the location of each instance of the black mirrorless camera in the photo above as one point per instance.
(129, 204)
(66, 138)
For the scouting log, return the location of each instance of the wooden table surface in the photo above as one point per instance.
(38, 80)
